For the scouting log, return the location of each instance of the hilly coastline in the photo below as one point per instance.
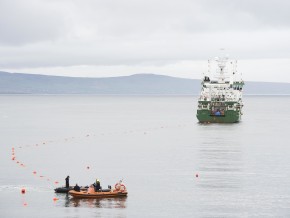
(138, 84)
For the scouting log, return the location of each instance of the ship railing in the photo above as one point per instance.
(204, 99)
(218, 99)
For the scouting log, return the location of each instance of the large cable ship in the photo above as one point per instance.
(220, 100)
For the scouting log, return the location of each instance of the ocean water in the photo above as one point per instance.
(172, 165)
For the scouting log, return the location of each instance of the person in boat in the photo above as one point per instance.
(77, 188)
(91, 189)
(67, 182)
(98, 185)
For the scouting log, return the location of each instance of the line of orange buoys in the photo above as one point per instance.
(23, 190)
(55, 182)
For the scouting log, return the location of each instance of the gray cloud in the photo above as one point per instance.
(29, 21)
(63, 33)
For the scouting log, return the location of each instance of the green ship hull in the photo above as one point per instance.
(230, 116)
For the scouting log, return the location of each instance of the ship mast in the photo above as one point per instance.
(222, 68)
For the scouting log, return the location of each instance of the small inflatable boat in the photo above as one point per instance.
(66, 190)
(120, 190)
(100, 194)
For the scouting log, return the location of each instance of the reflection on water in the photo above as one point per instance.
(69, 201)
(220, 163)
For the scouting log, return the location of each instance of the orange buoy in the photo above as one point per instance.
(55, 199)
(196, 175)
(13, 158)
(56, 182)
(23, 191)
(25, 204)
(34, 172)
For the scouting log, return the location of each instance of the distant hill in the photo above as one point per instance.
(138, 84)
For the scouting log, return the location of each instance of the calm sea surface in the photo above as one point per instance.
(172, 165)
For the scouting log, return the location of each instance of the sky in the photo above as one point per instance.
(105, 38)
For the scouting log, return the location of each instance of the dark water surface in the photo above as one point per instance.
(156, 145)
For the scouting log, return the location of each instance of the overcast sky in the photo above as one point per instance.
(97, 38)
